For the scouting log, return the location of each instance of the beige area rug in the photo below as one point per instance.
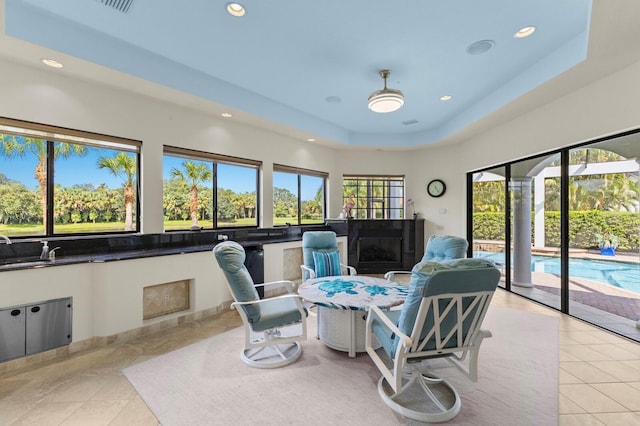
(207, 384)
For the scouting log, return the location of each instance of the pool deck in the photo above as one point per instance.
(605, 305)
(588, 298)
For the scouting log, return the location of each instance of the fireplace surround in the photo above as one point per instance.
(380, 245)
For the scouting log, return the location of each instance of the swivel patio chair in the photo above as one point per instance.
(321, 259)
(440, 320)
(273, 326)
(439, 248)
(321, 256)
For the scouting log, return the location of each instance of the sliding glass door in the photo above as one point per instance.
(565, 229)
(604, 200)
(488, 217)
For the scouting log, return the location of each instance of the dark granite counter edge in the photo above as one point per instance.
(76, 250)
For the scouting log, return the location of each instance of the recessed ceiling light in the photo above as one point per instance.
(524, 32)
(236, 9)
(445, 98)
(52, 63)
(226, 115)
(311, 140)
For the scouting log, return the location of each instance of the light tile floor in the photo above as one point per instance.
(599, 376)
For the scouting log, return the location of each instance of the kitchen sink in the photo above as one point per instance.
(22, 263)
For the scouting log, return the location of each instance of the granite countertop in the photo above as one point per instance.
(25, 254)
(35, 262)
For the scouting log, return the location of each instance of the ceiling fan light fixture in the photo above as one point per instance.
(235, 9)
(525, 32)
(386, 100)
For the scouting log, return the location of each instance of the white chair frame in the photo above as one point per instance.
(312, 273)
(283, 349)
(409, 365)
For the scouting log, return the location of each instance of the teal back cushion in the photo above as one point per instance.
(317, 241)
(230, 256)
(433, 279)
(420, 275)
(326, 264)
(468, 263)
(445, 247)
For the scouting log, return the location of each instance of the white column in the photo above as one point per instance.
(638, 163)
(538, 200)
(521, 190)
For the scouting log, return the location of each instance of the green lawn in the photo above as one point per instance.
(25, 230)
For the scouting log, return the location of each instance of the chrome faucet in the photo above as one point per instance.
(6, 239)
(48, 254)
(52, 253)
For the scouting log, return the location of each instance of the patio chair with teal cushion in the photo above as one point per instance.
(440, 320)
(439, 248)
(273, 326)
(321, 256)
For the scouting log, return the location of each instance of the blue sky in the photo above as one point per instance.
(76, 170)
(82, 170)
(238, 179)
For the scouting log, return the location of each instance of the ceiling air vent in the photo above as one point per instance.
(119, 5)
(408, 122)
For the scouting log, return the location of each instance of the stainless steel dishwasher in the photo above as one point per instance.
(34, 328)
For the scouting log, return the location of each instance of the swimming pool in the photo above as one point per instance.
(618, 274)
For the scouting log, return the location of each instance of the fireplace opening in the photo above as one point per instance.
(387, 250)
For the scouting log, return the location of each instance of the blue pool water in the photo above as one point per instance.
(618, 274)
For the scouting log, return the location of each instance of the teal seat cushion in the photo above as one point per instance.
(384, 335)
(230, 256)
(277, 312)
(326, 264)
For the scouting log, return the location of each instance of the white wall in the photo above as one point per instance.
(607, 106)
(37, 285)
(48, 97)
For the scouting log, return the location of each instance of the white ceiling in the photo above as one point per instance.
(284, 65)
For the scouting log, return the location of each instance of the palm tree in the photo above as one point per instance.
(194, 174)
(123, 166)
(19, 146)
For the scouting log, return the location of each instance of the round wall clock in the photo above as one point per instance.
(436, 188)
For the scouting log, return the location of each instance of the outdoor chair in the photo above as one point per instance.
(439, 248)
(440, 320)
(273, 326)
(321, 256)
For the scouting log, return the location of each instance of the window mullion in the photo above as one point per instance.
(299, 199)
(50, 160)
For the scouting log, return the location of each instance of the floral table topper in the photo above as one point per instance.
(353, 292)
